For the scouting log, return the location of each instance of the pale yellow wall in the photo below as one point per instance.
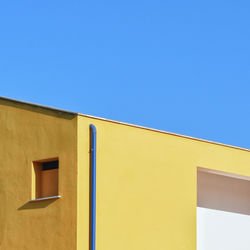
(29, 134)
(146, 185)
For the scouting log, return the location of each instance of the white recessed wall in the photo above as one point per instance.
(223, 212)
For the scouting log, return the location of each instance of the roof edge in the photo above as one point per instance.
(165, 132)
(37, 105)
(126, 124)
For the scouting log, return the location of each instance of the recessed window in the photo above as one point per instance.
(45, 178)
(223, 210)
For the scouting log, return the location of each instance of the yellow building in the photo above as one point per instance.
(146, 182)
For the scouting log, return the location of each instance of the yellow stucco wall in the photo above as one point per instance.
(146, 182)
(146, 185)
(28, 134)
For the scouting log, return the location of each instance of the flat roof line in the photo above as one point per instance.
(124, 123)
(165, 132)
(37, 105)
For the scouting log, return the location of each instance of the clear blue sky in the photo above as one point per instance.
(180, 66)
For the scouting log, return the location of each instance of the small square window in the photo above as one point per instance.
(45, 178)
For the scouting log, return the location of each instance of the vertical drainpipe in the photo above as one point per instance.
(93, 185)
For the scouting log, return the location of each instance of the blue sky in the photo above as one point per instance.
(180, 66)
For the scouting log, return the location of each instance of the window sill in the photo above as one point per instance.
(46, 198)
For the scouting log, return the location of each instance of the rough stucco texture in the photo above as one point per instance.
(27, 135)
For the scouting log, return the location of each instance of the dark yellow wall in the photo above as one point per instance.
(146, 185)
(28, 134)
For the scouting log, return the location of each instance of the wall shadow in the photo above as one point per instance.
(37, 204)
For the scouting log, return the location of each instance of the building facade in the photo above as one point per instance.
(145, 187)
